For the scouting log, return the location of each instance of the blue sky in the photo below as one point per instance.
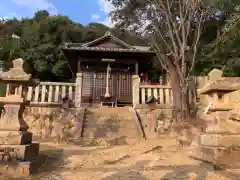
(82, 11)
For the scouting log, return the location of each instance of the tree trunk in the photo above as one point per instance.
(180, 97)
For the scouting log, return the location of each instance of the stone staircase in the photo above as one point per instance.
(109, 127)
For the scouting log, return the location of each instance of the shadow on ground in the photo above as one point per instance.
(53, 159)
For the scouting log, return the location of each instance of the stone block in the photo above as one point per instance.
(219, 156)
(223, 127)
(15, 137)
(21, 169)
(220, 140)
(20, 152)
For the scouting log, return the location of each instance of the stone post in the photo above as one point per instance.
(78, 91)
(135, 89)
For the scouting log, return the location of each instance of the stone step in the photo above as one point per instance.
(108, 109)
(108, 141)
(107, 126)
(19, 152)
(110, 128)
(121, 130)
(120, 125)
(110, 135)
(118, 114)
(106, 117)
(86, 121)
(89, 135)
(115, 130)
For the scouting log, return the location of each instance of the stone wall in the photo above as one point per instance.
(54, 122)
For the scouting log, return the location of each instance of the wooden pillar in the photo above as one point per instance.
(78, 84)
(107, 94)
(79, 65)
(136, 67)
(135, 89)
(78, 90)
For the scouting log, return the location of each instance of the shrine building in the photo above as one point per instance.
(105, 68)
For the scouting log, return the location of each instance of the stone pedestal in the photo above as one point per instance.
(221, 145)
(221, 157)
(18, 154)
(15, 137)
(20, 168)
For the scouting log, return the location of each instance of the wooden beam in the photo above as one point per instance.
(119, 60)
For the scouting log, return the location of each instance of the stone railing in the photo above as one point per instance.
(163, 93)
(141, 92)
(50, 92)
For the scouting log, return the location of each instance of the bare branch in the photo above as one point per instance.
(165, 11)
(160, 55)
(164, 41)
(173, 22)
(196, 44)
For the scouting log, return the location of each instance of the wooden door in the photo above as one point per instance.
(124, 87)
(87, 86)
(99, 85)
(94, 86)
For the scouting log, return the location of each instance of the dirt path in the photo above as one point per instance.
(151, 160)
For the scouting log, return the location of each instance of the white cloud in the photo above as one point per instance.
(106, 7)
(107, 22)
(35, 5)
(95, 17)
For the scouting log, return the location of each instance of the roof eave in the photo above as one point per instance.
(110, 50)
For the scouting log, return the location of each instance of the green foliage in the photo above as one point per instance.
(221, 40)
(40, 39)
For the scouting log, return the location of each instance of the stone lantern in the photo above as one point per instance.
(15, 141)
(220, 143)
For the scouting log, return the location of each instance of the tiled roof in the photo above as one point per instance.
(107, 35)
(73, 46)
(88, 46)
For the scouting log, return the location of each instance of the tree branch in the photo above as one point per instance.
(196, 44)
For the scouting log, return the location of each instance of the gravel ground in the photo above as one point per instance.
(150, 160)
